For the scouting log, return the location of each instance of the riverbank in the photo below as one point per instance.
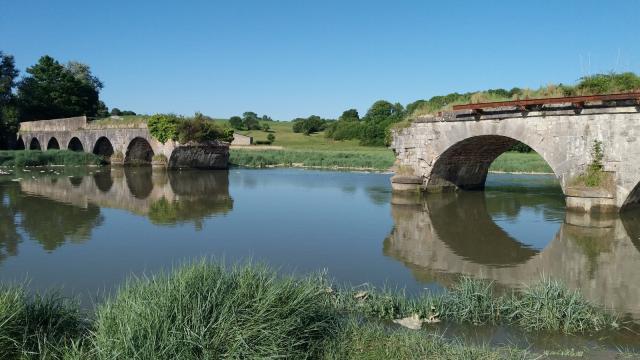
(24, 158)
(207, 310)
(364, 159)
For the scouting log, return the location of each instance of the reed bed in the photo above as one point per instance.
(22, 158)
(374, 160)
(208, 310)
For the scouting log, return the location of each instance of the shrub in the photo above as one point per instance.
(203, 311)
(271, 138)
(163, 127)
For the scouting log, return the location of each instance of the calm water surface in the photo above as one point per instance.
(87, 230)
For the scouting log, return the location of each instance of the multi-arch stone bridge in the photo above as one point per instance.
(455, 150)
(118, 143)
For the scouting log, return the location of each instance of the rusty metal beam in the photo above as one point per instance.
(557, 100)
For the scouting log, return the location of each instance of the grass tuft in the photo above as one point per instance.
(22, 158)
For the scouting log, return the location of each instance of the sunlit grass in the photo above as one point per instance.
(22, 158)
(515, 162)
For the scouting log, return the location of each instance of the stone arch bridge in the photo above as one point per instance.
(119, 143)
(455, 150)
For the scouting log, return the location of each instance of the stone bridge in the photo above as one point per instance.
(119, 143)
(455, 150)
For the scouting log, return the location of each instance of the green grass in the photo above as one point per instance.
(375, 160)
(22, 158)
(520, 163)
(207, 310)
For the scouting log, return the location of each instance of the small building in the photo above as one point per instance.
(239, 139)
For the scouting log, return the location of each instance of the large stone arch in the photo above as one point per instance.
(103, 148)
(633, 199)
(139, 152)
(20, 144)
(75, 144)
(465, 164)
(34, 144)
(53, 144)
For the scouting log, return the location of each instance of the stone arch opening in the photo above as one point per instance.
(633, 200)
(465, 165)
(139, 152)
(20, 144)
(75, 144)
(34, 144)
(53, 144)
(103, 148)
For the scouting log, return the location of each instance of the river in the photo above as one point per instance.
(85, 231)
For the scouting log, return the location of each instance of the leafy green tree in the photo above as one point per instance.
(236, 122)
(309, 125)
(271, 138)
(349, 115)
(163, 127)
(250, 120)
(8, 110)
(377, 121)
(266, 127)
(116, 112)
(52, 90)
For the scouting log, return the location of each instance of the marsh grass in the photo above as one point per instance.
(373, 340)
(37, 327)
(207, 310)
(544, 306)
(375, 160)
(204, 311)
(22, 158)
(515, 162)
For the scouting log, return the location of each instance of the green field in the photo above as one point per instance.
(520, 163)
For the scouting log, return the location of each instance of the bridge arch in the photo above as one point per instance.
(139, 152)
(465, 164)
(75, 144)
(20, 144)
(53, 144)
(34, 144)
(633, 199)
(104, 148)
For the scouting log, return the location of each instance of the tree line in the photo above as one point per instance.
(48, 90)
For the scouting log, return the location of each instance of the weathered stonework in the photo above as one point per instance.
(122, 144)
(455, 151)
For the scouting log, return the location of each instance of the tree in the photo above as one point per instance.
(8, 110)
(52, 90)
(377, 121)
(116, 112)
(349, 115)
(250, 120)
(236, 122)
(271, 138)
(266, 127)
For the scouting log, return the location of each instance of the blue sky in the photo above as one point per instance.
(297, 58)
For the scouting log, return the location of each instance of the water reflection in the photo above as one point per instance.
(53, 208)
(442, 237)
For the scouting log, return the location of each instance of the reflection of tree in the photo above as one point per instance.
(199, 195)
(9, 237)
(53, 223)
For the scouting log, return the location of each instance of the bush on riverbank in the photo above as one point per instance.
(318, 158)
(22, 158)
(205, 310)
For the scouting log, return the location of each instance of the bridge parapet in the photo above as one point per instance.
(66, 124)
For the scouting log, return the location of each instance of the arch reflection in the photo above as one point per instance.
(443, 237)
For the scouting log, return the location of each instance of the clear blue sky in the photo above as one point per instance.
(295, 58)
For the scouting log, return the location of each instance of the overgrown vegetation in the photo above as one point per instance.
(208, 310)
(374, 160)
(594, 176)
(22, 158)
(199, 128)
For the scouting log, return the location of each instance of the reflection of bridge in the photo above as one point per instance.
(55, 209)
(455, 150)
(118, 143)
(139, 190)
(446, 236)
